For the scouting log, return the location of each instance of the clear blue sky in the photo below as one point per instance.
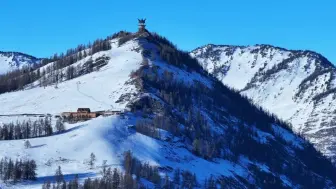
(42, 27)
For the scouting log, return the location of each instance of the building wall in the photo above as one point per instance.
(80, 114)
(84, 114)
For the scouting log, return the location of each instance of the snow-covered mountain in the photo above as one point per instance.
(176, 117)
(10, 61)
(297, 86)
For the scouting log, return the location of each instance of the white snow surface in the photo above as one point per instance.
(108, 138)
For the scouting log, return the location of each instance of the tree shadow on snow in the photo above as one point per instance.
(67, 178)
(72, 129)
(38, 146)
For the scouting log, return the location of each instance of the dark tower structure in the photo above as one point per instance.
(142, 25)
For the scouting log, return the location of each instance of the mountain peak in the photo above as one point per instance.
(297, 85)
(11, 53)
(10, 61)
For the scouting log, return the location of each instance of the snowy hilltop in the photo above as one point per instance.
(10, 61)
(181, 127)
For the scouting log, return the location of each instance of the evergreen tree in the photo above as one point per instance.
(59, 178)
(116, 179)
(177, 177)
(92, 160)
(104, 168)
(27, 144)
(128, 162)
(211, 183)
(167, 183)
(32, 170)
(64, 185)
(59, 126)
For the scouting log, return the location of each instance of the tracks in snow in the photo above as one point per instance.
(91, 97)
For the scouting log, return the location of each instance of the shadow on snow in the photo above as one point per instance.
(67, 177)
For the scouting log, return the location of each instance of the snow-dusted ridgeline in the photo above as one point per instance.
(297, 86)
(10, 61)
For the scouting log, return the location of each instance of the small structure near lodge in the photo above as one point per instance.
(83, 114)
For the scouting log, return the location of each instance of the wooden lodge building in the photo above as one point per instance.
(85, 114)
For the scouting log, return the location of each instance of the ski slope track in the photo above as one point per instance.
(132, 81)
(106, 85)
(297, 86)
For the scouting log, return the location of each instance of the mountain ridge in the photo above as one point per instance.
(19, 53)
(176, 117)
(302, 80)
(307, 51)
(11, 61)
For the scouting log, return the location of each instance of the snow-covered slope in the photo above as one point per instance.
(10, 61)
(298, 86)
(108, 138)
(98, 90)
(176, 116)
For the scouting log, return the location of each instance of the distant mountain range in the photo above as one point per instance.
(10, 61)
(297, 86)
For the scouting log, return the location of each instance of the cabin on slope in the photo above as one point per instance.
(84, 114)
(81, 114)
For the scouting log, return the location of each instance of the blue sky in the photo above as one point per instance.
(41, 27)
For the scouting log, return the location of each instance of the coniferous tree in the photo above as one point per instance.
(59, 178)
(59, 126)
(32, 170)
(167, 183)
(27, 144)
(128, 162)
(64, 185)
(92, 160)
(177, 178)
(211, 183)
(104, 168)
(116, 179)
